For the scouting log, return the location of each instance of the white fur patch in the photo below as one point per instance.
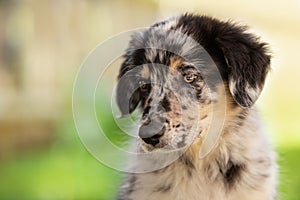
(252, 92)
(232, 86)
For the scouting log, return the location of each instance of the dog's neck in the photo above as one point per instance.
(236, 124)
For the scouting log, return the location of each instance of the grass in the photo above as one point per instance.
(65, 170)
(289, 163)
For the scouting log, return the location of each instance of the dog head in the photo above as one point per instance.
(172, 80)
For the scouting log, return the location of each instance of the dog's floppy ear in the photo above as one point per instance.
(128, 94)
(248, 63)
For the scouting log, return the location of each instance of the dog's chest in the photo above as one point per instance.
(175, 183)
(184, 180)
(182, 186)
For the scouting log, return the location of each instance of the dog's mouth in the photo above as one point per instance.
(149, 147)
(162, 145)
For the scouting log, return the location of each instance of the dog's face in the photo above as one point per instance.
(174, 84)
(171, 97)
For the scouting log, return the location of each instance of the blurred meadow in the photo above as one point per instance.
(42, 45)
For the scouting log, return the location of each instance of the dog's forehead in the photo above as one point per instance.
(166, 47)
(161, 40)
(153, 70)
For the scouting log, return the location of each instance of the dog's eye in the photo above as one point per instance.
(143, 86)
(189, 78)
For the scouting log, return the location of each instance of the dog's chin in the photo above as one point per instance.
(163, 147)
(147, 147)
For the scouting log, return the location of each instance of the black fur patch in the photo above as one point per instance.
(241, 117)
(231, 173)
(125, 194)
(166, 104)
(132, 182)
(203, 117)
(198, 93)
(187, 161)
(146, 110)
(164, 188)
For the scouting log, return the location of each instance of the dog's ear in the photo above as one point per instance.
(247, 60)
(128, 97)
(127, 94)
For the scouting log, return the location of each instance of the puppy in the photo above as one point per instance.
(195, 79)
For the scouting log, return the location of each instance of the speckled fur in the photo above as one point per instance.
(242, 163)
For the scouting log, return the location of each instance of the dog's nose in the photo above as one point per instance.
(151, 132)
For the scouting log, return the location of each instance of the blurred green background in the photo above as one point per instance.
(43, 43)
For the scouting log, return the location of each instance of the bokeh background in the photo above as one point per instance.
(42, 45)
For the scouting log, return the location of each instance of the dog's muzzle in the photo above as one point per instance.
(151, 132)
